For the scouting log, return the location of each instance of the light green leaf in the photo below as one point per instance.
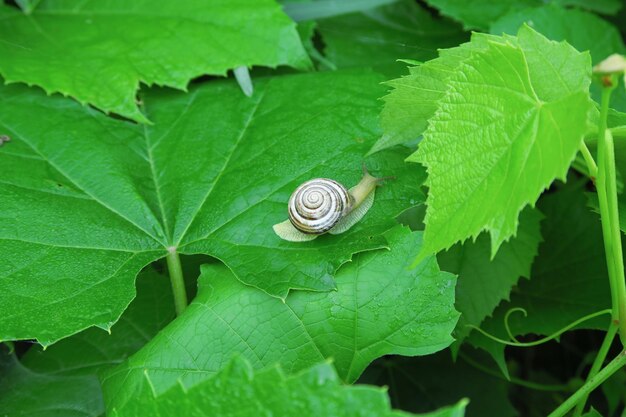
(86, 206)
(238, 390)
(62, 380)
(511, 122)
(378, 37)
(98, 52)
(380, 307)
(414, 98)
(599, 37)
(568, 279)
(484, 282)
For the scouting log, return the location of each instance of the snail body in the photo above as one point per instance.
(323, 206)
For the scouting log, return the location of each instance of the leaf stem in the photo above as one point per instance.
(591, 163)
(607, 197)
(597, 364)
(177, 280)
(590, 385)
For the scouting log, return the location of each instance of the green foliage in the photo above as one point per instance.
(379, 308)
(566, 284)
(378, 37)
(484, 282)
(492, 137)
(118, 46)
(87, 214)
(62, 380)
(237, 390)
(155, 165)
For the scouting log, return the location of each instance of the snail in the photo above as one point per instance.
(322, 205)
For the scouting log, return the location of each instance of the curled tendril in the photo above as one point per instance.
(515, 342)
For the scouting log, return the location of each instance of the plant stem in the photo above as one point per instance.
(177, 280)
(597, 364)
(607, 197)
(590, 385)
(591, 164)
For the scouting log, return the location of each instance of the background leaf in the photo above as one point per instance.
(98, 52)
(568, 279)
(62, 380)
(380, 307)
(484, 282)
(380, 36)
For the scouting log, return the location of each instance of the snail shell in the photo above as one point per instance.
(318, 205)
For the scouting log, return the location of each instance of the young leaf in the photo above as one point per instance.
(87, 201)
(238, 390)
(511, 122)
(484, 282)
(99, 52)
(413, 99)
(62, 380)
(569, 276)
(378, 37)
(379, 308)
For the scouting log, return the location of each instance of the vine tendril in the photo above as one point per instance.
(515, 342)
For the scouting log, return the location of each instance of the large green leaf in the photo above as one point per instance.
(484, 282)
(99, 52)
(62, 380)
(569, 276)
(378, 37)
(237, 390)
(87, 201)
(510, 123)
(380, 307)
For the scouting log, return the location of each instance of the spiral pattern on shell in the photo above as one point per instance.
(317, 205)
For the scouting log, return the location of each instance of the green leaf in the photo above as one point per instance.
(599, 37)
(311, 10)
(238, 390)
(28, 5)
(419, 384)
(378, 37)
(414, 98)
(99, 52)
(568, 279)
(511, 122)
(86, 206)
(62, 380)
(380, 307)
(481, 12)
(592, 413)
(484, 282)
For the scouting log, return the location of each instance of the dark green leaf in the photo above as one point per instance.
(98, 52)
(86, 206)
(380, 307)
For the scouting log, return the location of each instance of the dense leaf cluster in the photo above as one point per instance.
(152, 139)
